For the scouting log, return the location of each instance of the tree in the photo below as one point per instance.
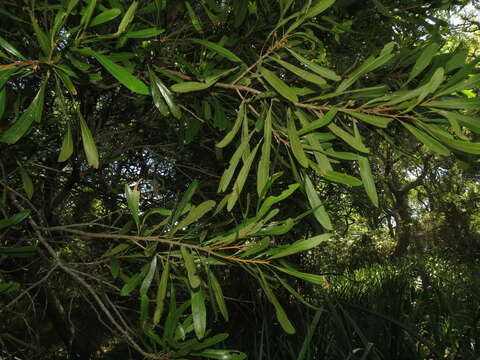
(156, 155)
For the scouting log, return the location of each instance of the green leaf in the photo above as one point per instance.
(105, 16)
(471, 122)
(312, 278)
(341, 178)
(263, 172)
(220, 50)
(115, 250)
(423, 60)
(468, 83)
(456, 103)
(367, 179)
(16, 219)
(199, 313)
(218, 294)
(189, 86)
(194, 18)
(221, 354)
(196, 212)
(348, 138)
(26, 181)
(149, 277)
(127, 18)
(315, 203)
(256, 247)
(32, 113)
(271, 200)
(295, 143)
(321, 122)
(301, 245)
(187, 196)
(305, 75)
(67, 82)
(87, 15)
(144, 33)
(193, 278)
(241, 179)
(161, 293)
(88, 143)
(319, 7)
(133, 202)
(234, 160)
(426, 139)
(10, 49)
(158, 88)
(320, 70)
(282, 88)
(3, 101)
(42, 38)
(121, 74)
(236, 126)
(378, 121)
(465, 146)
(114, 267)
(132, 283)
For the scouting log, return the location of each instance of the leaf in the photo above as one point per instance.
(427, 140)
(221, 354)
(315, 203)
(378, 121)
(321, 122)
(301, 245)
(256, 247)
(105, 16)
(194, 18)
(456, 103)
(193, 278)
(42, 38)
(465, 146)
(187, 196)
(88, 143)
(236, 126)
(263, 171)
(115, 250)
(218, 294)
(144, 33)
(234, 160)
(241, 179)
(305, 75)
(149, 277)
(471, 122)
(468, 83)
(189, 86)
(196, 212)
(199, 313)
(32, 113)
(220, 50)
(320, 70)
(15, 219)
(10, 49)
(319, 7)
(367, 179)
(349, 139)
(27, 182)
(122, 75)
(144, 302)
(341, 178)
(423, 60)
(295, 143)
(67, 82)
(161, 293)
(158, 88)
(3, 101)
(271, 200)
(132, 283)
(87, 14)
(127, 18)
(312, 278)
(282, 88)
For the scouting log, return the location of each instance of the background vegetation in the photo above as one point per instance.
(293, 179)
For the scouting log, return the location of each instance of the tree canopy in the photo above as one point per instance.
(163, 163)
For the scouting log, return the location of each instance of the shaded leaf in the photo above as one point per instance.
(300, 246)
(367, 179)
(318, 209)
(282, 88)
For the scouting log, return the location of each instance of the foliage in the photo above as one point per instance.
(157, 155)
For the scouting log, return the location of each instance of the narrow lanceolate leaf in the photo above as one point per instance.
(193, 278)
(220, 50)
(32, 113)
(10, 49)
(105, 16)
(67, 146)
(305, 75)
(271, 200)
(295, 143)
(432, 85)
(348, 138)
(127, 18)
(88, 143)
(218, 294)
(468, 83)
(465, 146)
(426, 139)
(132, 283)
(15, 219)
(301, 245)
(189, 86)
(263, 172)
(238, 122)
(199, 313)
(161, 293)
(194, 18)
(122, 75)
(144, 33)
(133, 202)
(87, 14)
(234, 160)
(320, 70)
(318, 7)
(282, 88)
(27, 182)
(316, 204)
(341, 178)
(3, 101)
(378, 121)
(456, 103)
(367, 179)
(149, 277)
(241, 179)
(196, 212)
(423, 60)
(158, 88)
(42, 38)
(312, 278)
